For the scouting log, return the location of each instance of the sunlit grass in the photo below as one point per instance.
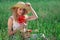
(47, 23)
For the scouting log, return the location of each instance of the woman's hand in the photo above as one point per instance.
(34, 16)
(28, 5)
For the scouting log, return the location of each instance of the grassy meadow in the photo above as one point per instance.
(48, 21)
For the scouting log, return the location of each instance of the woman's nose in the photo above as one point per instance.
(21, 10)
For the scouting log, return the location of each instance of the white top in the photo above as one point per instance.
(16, 25)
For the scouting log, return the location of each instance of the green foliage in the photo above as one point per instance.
(47, 23)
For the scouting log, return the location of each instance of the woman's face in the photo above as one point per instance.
(20, 11)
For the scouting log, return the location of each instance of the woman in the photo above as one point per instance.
(20, 9)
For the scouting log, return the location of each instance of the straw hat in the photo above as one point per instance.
(22, 5)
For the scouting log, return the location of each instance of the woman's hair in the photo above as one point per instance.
(24, 11)
(15, 14)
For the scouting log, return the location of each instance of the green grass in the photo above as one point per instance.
(47, 23)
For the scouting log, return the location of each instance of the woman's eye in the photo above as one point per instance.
(20, 9)
(24, 9)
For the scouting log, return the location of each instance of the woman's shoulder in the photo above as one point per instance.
(26, 16)
(11, 17)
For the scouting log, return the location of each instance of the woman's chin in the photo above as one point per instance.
(19, 14)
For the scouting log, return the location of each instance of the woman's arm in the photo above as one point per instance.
(34, 15)
(10, 23)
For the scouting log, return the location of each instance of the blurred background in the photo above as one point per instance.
(48, 21)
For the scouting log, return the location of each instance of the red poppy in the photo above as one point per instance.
(21, 19)
(29, 30)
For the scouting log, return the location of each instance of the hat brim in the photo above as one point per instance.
(23, 6)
